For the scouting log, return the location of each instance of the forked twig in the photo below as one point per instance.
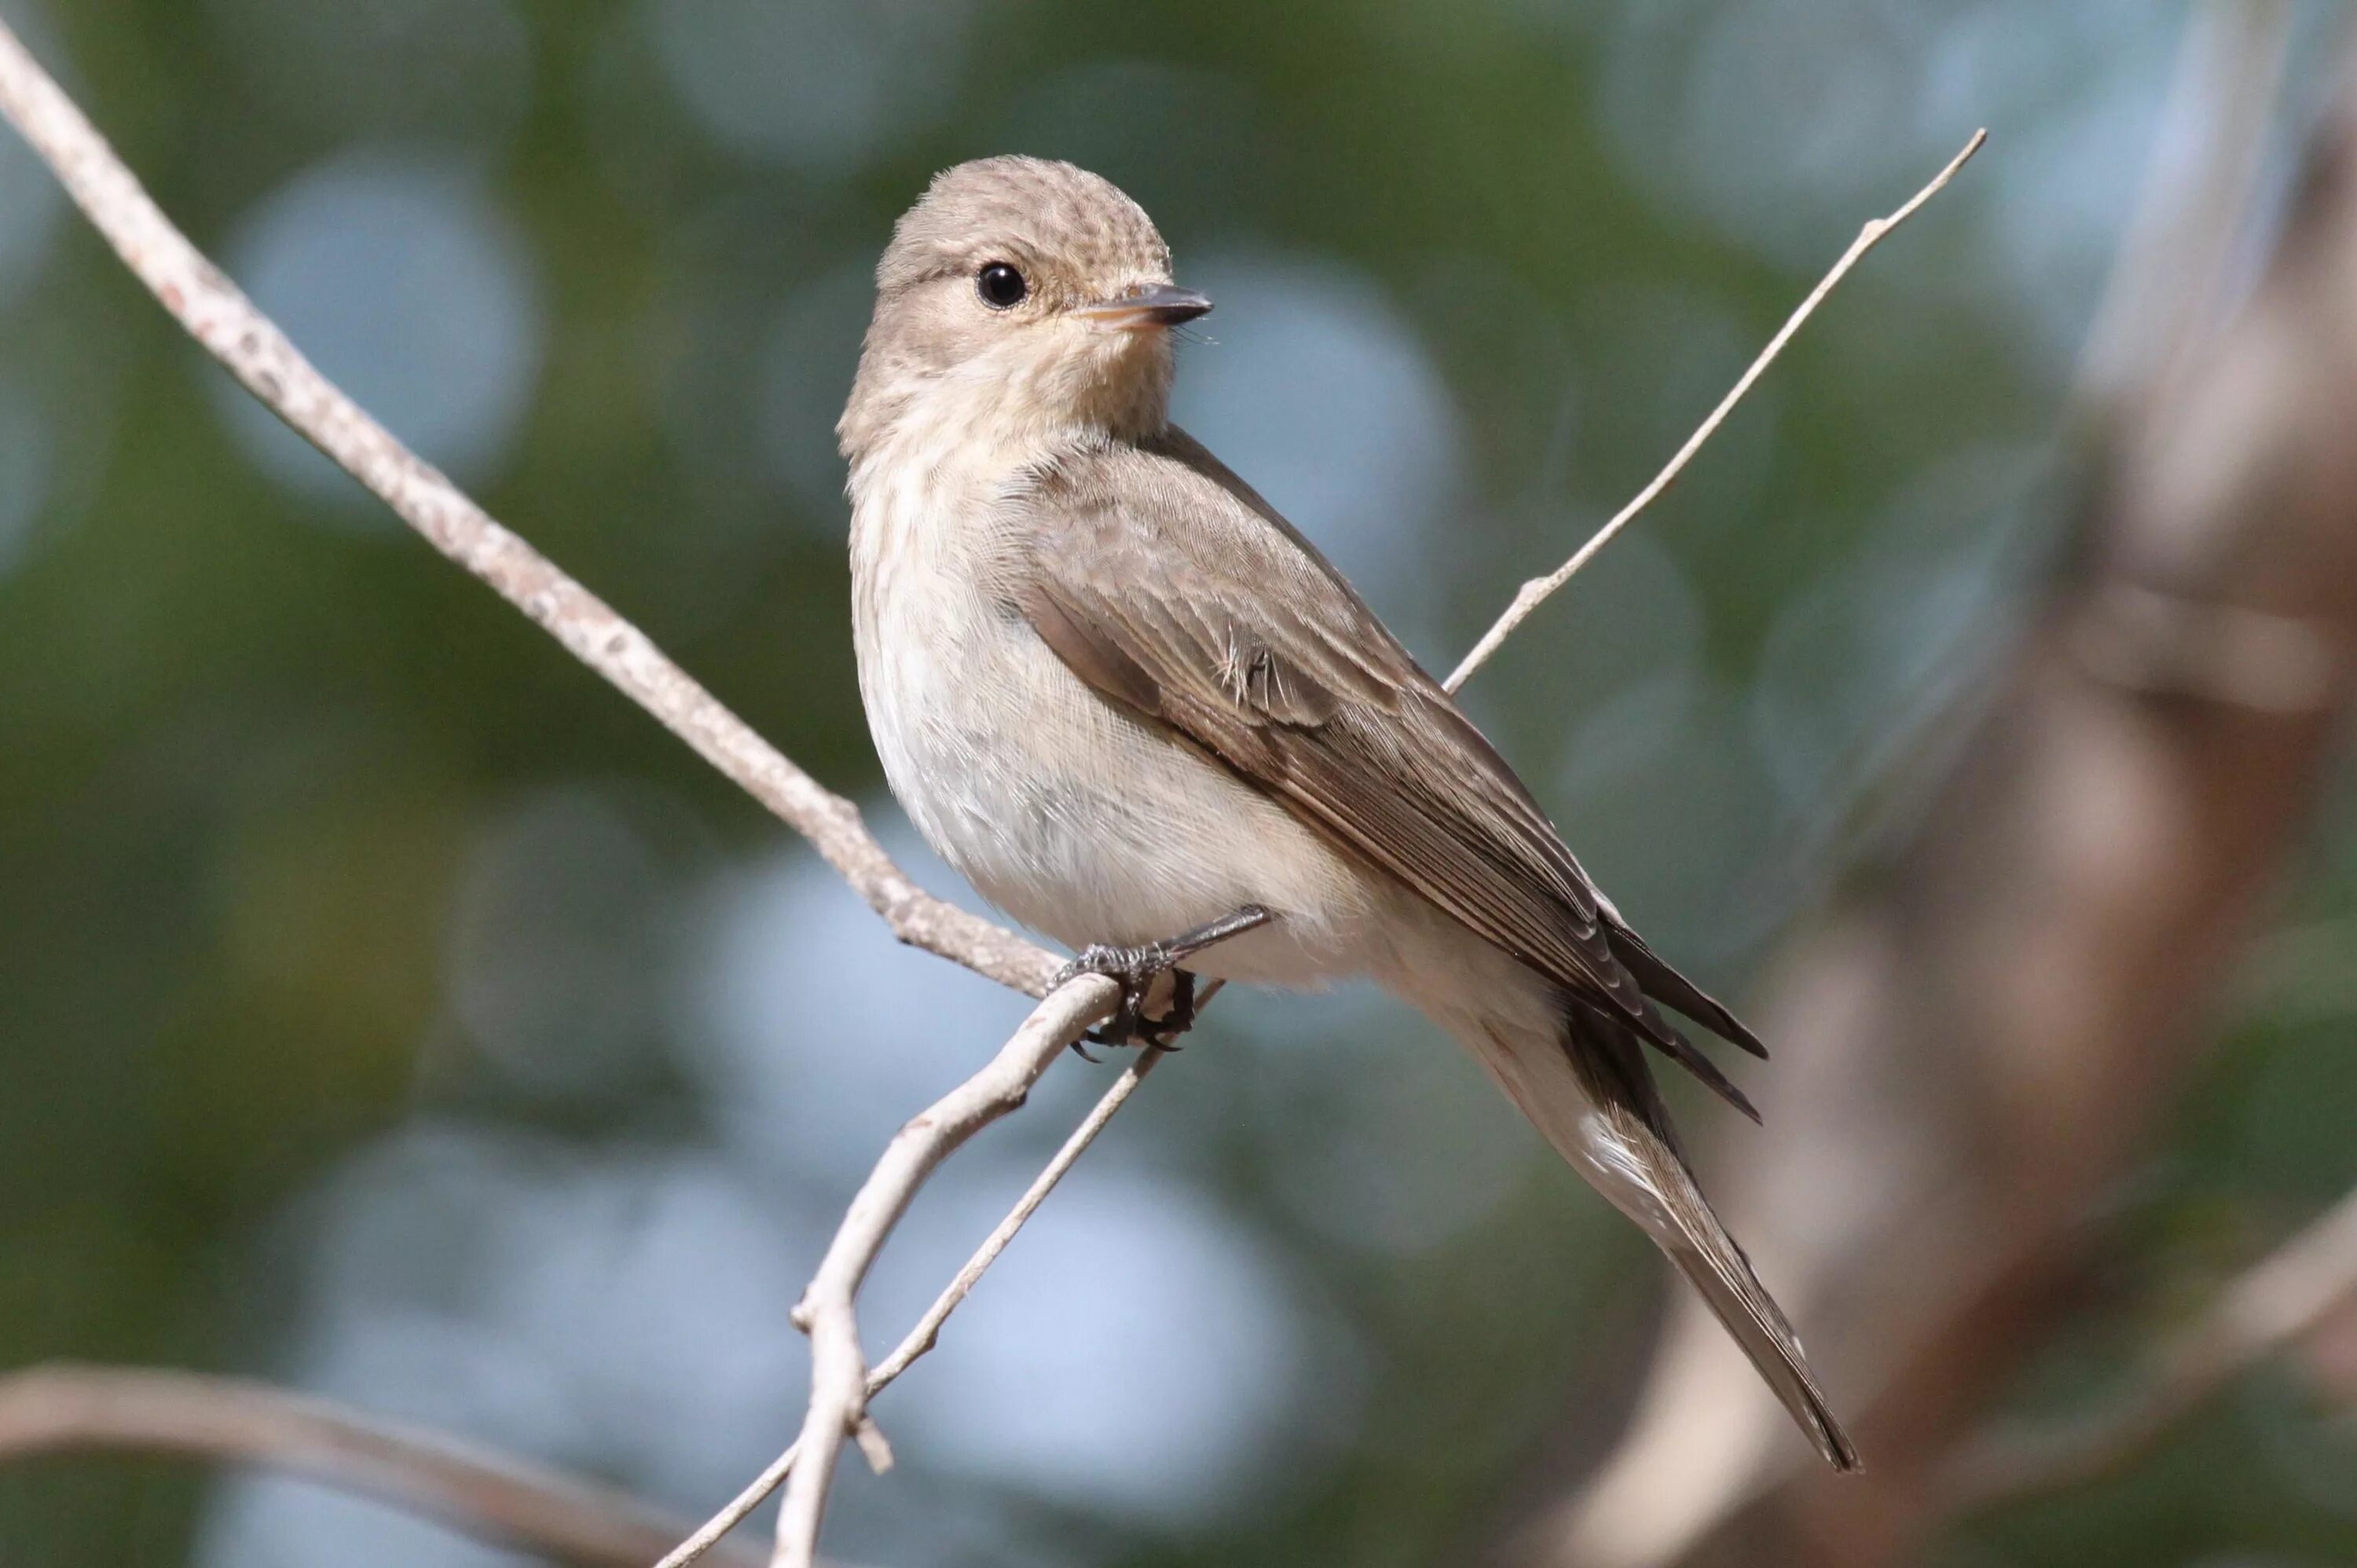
(921, 1338)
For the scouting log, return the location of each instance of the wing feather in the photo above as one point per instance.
(1167, 585)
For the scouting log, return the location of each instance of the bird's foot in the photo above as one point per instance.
(1135, 968)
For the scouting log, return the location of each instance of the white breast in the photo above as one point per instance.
(1076, 819)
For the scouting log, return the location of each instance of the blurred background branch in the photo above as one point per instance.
(66, 1409)
(1981, 1038)
(2299, 1288)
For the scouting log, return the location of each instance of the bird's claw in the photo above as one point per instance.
(1135, 969)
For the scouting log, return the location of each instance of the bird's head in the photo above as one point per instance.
(1020, 301)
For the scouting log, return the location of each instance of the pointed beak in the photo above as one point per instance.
(1157, 305)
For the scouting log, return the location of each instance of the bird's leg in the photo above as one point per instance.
(1135, 970)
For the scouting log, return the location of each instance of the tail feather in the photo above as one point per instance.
(1605, 1115)
(1663, 983)
(1682, 1051)
(1708, 1256)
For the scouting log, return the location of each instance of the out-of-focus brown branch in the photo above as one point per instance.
(1977, 1043)
(2287, 1297)
(508, 1501)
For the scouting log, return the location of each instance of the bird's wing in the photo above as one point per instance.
(1167, 585)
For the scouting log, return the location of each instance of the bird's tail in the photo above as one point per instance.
(1588, 1090)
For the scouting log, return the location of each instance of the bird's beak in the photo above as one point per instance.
(1156, 304)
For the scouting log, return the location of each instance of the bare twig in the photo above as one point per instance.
(258, 354)
(838, 1402)
(2279, 1301)
(707, 1535)
(922, 1337)
(69, 1408)
(1537, 591)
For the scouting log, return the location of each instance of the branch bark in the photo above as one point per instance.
(69, 1409)
(228, 326)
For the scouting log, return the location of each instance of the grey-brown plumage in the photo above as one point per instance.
(1308, 694)
(1123, 695)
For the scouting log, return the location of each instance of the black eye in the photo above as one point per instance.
(1002, 287)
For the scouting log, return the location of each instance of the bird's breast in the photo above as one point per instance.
(979, 728)
(1076, 817)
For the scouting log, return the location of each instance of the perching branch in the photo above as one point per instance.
(69, 1408)
(2280, 1301)
(1538, 590)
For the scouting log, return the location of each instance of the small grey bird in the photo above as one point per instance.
(1140, 713)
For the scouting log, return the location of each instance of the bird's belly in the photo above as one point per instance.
(1083, 821)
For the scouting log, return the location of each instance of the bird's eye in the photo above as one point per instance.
(1002, 287)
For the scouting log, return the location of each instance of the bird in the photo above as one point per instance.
(1141, 714)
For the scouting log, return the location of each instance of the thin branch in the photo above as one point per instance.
(922, 1337)
(69, 1409)
(259, 355)
(2279, 1301)
(1537, 591)
(838, 1402)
